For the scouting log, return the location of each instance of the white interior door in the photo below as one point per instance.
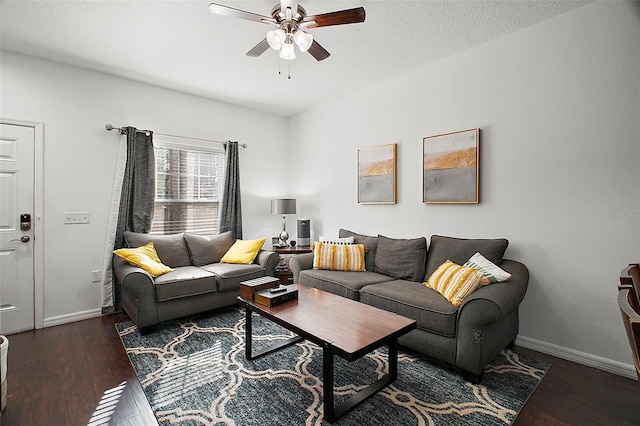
(17, 284)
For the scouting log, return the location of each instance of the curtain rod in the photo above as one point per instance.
(109, 128)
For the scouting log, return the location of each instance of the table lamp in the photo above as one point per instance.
(283, 206)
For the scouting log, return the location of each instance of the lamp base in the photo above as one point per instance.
(284, 236)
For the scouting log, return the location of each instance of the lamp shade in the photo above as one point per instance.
(288, 52)
(283, 206)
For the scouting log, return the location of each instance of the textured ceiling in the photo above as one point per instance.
(180, 45)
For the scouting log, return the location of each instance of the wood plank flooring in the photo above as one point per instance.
(59, 375)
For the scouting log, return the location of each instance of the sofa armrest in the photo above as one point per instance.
(488, 319)
(137, 292)
(299, 263)
(268, 260)
(493, 302)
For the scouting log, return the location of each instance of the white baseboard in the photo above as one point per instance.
(76, 316)
(604, 364)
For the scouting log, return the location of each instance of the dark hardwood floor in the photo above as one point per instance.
(79, 374)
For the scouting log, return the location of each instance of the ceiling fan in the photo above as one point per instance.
(290, 21)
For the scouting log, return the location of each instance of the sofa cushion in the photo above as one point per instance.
(343, 283)
(144, 257)
(207, 249)
(454, 282)
(183, 282)
(243, 251)
(338, 257)
(171, 249)
(403, 259)
(431, 311)
(370, 244)
(459, 250)
(230, 275)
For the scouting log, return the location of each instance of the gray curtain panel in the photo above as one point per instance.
(230, 216)
(138, 191)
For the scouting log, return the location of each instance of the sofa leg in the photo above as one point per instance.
(512, 344)
(146, 330)
(471, 377)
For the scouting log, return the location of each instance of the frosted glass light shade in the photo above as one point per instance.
(287, 52)
(303, 40)
(276, 38)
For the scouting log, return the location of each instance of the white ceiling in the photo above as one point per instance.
(180, 45)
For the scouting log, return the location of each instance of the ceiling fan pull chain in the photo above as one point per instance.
(289, 70)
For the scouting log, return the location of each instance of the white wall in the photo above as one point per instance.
(80, 160)
(558, 105)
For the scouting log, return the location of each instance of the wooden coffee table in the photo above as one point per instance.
(341, 327)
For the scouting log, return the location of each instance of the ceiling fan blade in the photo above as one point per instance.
(259, 48)
(318, 51)
(219, 9)
(348, 16)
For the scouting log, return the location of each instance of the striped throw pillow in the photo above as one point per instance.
(491, 273)
(454, 281)
(338, 257)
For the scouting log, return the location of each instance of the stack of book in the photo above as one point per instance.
(276, 296)
(249, 288)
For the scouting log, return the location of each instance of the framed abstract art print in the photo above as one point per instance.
(377, 174)
(451, 167)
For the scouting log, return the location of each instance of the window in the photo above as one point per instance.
(188, 187)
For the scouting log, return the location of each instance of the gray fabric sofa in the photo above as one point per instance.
(198, 283)
(467, 336)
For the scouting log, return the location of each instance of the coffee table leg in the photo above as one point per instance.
(327, 378)
(248, 332)
(333, 413)
(393, 360)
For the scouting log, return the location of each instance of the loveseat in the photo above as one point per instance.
(198, 282)
(468, 336)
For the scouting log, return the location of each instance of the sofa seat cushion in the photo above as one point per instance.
(183, 282)
(431, 311)
(230, 275)
(343, 283)
(171, 249)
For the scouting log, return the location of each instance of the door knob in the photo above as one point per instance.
(23, 239)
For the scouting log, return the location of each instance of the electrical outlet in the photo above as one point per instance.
(95, 276)
(76, 217)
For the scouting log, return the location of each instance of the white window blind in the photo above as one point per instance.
(188, 188)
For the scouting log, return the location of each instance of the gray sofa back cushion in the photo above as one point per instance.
(370, 243)
(171, 249)
(207, 249)
(401, 258)
(459, 250)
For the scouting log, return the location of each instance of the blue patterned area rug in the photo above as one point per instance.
(194, 372)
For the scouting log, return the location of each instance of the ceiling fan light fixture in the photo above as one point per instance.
(276, 38)
(303, 40)
(288, 52)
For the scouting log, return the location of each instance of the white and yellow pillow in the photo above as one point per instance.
(491, 273)
(144, 257)
(454, 281)
(338, 257)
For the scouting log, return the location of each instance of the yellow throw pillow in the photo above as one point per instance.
(454, 281)
(243, 251)
(338, 257)
(144, 257)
